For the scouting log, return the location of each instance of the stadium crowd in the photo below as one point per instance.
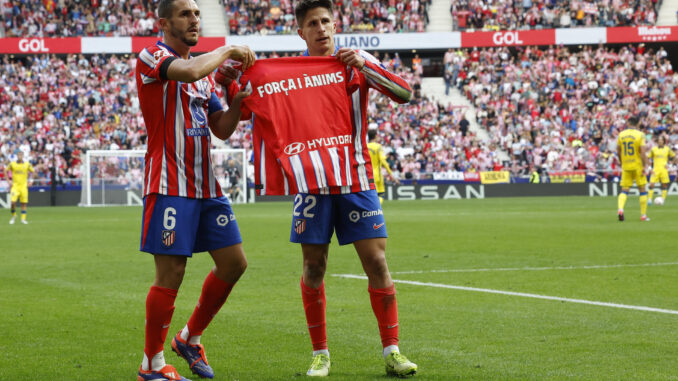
(54, 109)
(555, 109)
(376, 16)
(536, 14)
(61, 18)
(559, 109)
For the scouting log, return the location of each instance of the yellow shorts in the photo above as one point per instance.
(628, 177)
(19, 193)
(662, 175)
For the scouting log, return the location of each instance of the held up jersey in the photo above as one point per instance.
(302, 133)
(178, 159)
(324, 176)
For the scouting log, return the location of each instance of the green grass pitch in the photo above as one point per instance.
(73, 287)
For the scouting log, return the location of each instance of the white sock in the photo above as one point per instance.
(193, 340)
(184, 333)
(325, 352)
(156, 363)
(391, 348)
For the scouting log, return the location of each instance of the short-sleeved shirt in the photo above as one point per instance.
(629, 143)
(177, 161)
(378, 160)
(20, 173)
(661, 156)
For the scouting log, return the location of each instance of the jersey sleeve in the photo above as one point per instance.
(383, 80)
(30, 168)
(671, 154)
(152, 64)
(651, 153)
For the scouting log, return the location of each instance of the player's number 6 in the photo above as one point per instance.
(169, 221)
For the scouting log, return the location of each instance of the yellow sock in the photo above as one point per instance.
(643, 204)
(650, 193)
(621, 201)
(664, 193)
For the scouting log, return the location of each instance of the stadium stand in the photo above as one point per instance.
(54, 109)
(378, 16)
(60, 18)
(536, 14)
(554, 108)
(559, 109)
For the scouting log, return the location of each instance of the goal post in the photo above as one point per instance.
(117, 177)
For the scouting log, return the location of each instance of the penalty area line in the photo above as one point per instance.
(522, 294)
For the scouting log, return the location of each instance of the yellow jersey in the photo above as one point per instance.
(660, 157)
(20, 173)
(378, 160)
(629, 143)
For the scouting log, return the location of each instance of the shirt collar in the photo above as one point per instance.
(336, 49)
(169, 48)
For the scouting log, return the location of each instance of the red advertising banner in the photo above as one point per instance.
(508, 38)
(40, 45)
(642, 34)
(205, 44)
(472, 177)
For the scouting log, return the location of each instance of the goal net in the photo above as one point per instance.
(117, 177)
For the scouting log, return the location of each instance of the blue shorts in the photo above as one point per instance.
(183, 226)
(354, 216)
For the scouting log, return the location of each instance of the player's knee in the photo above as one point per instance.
(240, 266)
(376, 265)
(314, 270)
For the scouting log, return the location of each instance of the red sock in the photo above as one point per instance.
(314, 307)
(159, 309)
(213, 296)
(386, 310)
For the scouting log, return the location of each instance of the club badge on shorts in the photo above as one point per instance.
(168, 238)
(299, 225)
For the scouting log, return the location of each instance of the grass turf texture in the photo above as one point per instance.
(74, 286)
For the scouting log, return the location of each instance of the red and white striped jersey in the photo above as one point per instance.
(309, 124)
(177, 159)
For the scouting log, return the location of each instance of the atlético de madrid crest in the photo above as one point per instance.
(299, 225)
(168, 238)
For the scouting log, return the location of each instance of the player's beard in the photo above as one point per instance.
(175, 32)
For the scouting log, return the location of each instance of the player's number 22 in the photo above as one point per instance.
(310, 202)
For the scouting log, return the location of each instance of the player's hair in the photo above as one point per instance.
(633, 121)
(303, 6)
(165, 8)
(372, 134)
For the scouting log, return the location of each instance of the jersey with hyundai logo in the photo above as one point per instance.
(177, 161)
(310, 124)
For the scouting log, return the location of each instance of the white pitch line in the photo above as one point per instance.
(522, 294)
(538, 268)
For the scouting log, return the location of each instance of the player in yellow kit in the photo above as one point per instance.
(631, 151)
(20, 170)
(378, 161)
(660, 156)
